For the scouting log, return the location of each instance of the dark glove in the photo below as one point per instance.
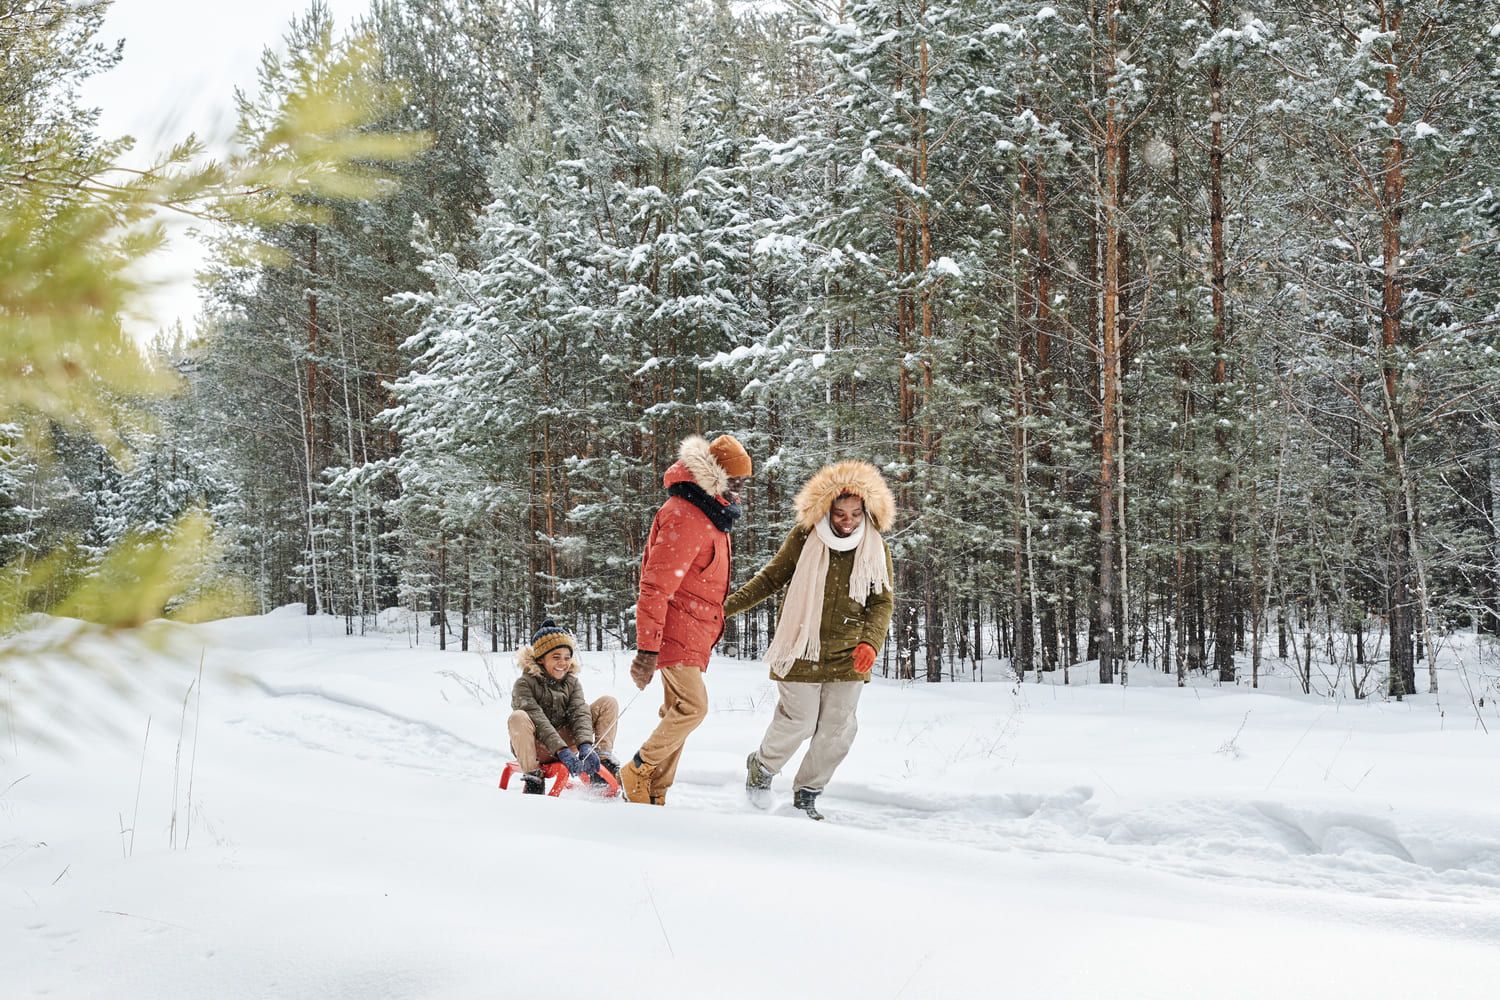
(588, 758)
(642, 669)
(569, 760)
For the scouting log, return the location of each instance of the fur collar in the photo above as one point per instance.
(702, 466)
(862, 479)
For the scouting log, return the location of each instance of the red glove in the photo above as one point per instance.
(864, 658)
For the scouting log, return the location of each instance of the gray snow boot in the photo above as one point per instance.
(806, 799)
(533, 782)
(757, 777)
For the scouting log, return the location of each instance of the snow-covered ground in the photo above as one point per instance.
(321, 820)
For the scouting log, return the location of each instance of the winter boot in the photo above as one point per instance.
(608, 762)
(533, 782)
(757, 779)
(635, 780)
(806, 799)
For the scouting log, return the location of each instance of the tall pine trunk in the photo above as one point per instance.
(1110, 358)
(1224, 584)
(1402, 679)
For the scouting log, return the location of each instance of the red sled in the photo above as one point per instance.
(603, 782)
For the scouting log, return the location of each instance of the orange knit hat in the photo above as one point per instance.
(731, 455)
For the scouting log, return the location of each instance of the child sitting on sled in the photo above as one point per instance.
(551, 721)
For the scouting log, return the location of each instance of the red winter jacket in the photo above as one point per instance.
(685, 570)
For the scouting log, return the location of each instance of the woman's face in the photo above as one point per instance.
(557, 662)
(846, 514)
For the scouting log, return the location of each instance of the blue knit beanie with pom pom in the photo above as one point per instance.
(547, 638)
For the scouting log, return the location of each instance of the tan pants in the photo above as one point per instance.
(684, 706)
(530, 754)
(824, 712)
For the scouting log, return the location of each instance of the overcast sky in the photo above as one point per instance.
(183, 60)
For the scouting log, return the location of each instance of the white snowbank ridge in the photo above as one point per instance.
(343, 837)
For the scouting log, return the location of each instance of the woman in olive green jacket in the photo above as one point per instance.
(838, 575)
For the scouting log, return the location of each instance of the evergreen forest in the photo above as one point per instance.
(1175, 325)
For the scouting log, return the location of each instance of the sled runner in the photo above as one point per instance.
(602, 783)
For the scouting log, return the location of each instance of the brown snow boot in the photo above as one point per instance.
(635, 779)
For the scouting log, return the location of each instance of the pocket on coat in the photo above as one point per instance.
(702, 567)
(699, 609)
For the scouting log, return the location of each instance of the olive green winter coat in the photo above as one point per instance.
(552, 705)
(845, 622)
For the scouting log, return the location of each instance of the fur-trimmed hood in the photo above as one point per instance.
(862, 479)
(695, 463)
(526, 660)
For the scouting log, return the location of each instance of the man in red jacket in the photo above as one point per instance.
(680, 613)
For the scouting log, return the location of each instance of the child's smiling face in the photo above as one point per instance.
(557, 662)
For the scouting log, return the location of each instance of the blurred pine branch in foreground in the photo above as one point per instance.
(75, 223)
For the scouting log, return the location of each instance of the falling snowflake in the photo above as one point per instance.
(1158, 154)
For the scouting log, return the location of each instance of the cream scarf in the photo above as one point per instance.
(797, 630)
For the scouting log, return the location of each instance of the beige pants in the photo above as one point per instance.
(684, 706)
(530, 754)
(824, 712)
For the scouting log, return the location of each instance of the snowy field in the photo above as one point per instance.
(321, 820)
